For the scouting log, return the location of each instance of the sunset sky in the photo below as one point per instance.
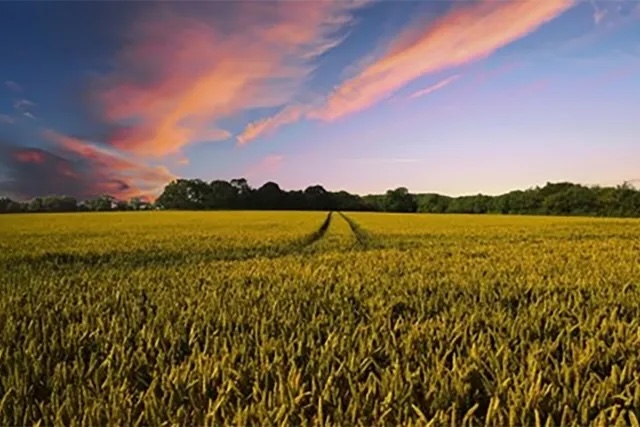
(455, 97)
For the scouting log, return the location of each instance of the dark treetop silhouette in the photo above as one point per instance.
(194, 194)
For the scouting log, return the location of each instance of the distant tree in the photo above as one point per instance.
(400, 200)
(136, 203)
(432, 203)
(35, 205)
(317, 198)
(269, 196)
(571, 200)
(58, 204)
(563, 198)
(4, 204)
(294, 200)
(374, 202)
(221, 195)
(244, 193)
(183, 194)
(101, 204)
(120, 205)
(344, 201)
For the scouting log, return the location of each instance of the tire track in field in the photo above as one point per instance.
(362, 236)
(316, 235)
(146, 258)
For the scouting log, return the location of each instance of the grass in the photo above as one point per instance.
(265, 318)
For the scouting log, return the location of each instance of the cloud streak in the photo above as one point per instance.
(12, 86)
(266, 126)
(25, 107)
(181, 76)
(6, 119)
(266, 167)
(440, 85)
(466, 34)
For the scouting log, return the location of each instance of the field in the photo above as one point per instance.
(265, 318)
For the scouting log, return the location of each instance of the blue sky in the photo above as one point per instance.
(456, 97)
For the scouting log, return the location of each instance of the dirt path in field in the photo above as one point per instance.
(363, 237)
(316, 235)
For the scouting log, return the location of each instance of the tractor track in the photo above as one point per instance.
(363, 238)
(146, 258)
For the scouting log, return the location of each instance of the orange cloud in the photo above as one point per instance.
(111, 172)
(467, 34)
(288, 115)
(435, 87)
(195, 73)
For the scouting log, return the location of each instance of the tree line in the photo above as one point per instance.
(562, 198)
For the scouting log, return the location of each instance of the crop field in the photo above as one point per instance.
(310, 318)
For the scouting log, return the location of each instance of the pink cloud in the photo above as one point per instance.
(111, 172)
(28, 155)
(435, 87)
(198, 73)
(266, 167)
(467, 34)
(288, 115)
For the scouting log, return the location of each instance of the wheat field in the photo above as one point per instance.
(311, 318)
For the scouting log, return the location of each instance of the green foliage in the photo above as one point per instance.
(194, 194)
(259, 318)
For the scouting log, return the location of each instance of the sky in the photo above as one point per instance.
(448, 96)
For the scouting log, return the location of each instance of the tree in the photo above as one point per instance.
(221, 195)
(101, 204)
(136, 203)
(59, 204)
(400, 200)
(4, 204)
(317, 198)
(269, 196)
(183, 194)
(344, 201)
(35, 205)
(244, 193)
(433, 203)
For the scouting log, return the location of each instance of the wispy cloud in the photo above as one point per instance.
(288, 115)
(469, 33)
(196, 74)
(25, 107)
(598, 14)
(382, 160)
(614, 14)
(265, 168)
(435, 87)
(7, 119)
(13, 86)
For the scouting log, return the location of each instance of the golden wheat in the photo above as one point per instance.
(263, 318)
